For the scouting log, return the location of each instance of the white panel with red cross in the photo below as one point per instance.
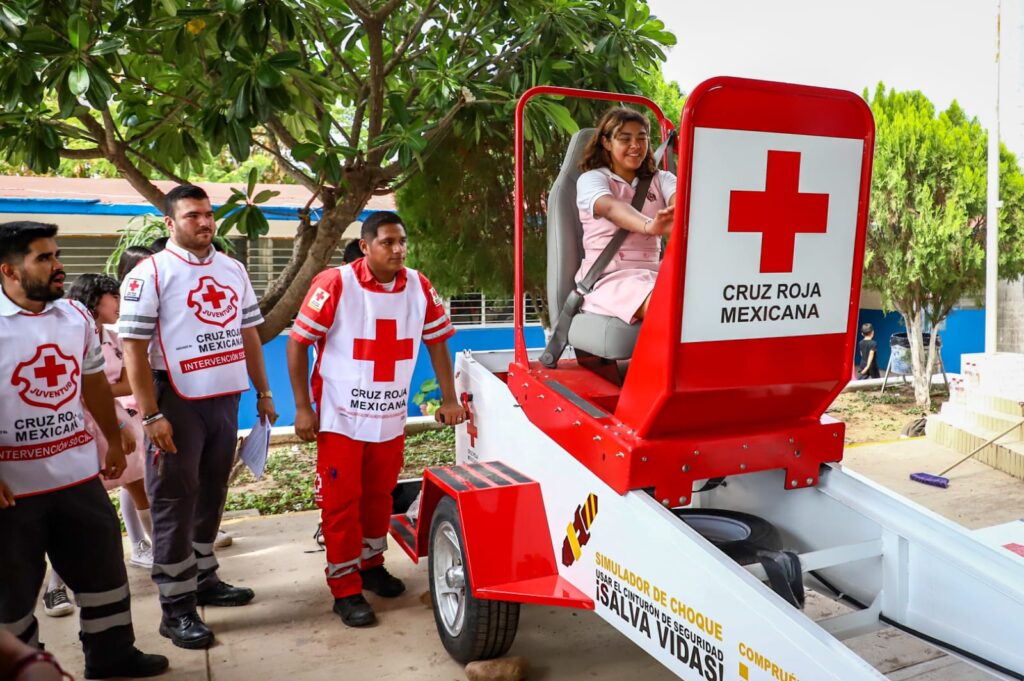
(772, 229)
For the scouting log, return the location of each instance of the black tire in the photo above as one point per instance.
(738, 535)
(487, 628)
(748, 539)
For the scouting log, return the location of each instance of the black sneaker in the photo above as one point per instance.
(135, 664)
(224, 595)
(188, 631)
(379, 581)
(354, 611)
(56, 603)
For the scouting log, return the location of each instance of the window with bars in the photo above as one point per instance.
(476, 309)
(84, 254)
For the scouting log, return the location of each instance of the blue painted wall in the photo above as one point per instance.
(964, 332)
(474, 338)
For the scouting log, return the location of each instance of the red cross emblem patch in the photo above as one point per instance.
(49, 379)
(213, 303)
(133, 289)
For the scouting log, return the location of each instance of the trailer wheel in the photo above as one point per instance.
(470, 628)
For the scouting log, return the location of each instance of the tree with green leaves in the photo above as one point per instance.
(350, 97)
(926, 240)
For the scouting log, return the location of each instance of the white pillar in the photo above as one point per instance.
(992, 216)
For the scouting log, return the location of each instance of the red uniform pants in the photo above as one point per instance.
(353, 487)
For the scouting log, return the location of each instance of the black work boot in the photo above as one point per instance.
(225, 595)
(187, 631)
(354, 611)
(378, 580)
(136, 664)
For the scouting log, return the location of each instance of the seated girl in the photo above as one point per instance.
(614, 160)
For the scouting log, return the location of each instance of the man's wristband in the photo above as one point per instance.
(152, 418)
(266, 393)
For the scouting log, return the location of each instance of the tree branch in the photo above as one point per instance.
(275, 126)
(82, 154)
(399, 52)
(361, 10)
(114, 152)
(146, 134)
(386, 10)
(157, 167)
(434, 138)
(292, 171)
(376, 96)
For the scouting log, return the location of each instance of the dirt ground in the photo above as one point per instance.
(874, 417)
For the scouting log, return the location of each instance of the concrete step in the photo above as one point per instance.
(980, 417)
(1006, 455)
(979, 399)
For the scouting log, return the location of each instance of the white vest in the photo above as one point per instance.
(200, 324)
(368, 358)
(43, 442)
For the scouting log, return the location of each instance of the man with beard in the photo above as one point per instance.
(189, 321)
(51, 500)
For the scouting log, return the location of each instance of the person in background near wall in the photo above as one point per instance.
(51, 499)
(158, 244)
(366, 320)
(868, 353)
(196, 306)
(352, 252)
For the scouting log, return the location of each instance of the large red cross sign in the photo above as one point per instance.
(780, 212)
(385, 351)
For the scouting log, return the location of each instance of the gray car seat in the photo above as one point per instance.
(607, 337)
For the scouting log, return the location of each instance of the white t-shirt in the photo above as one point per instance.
(593, 184)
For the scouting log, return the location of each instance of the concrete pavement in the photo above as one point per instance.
(290, 632)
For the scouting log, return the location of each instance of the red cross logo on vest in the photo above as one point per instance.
(133, 285)
(780, 212)
(467, 403)
(213, 303)
(385, 351)
(49, 379)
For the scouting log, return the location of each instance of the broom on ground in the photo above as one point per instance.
(939, 480)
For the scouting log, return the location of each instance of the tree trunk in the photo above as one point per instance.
(920, 363)
(293, 283)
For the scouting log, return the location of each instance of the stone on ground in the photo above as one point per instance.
(502, 669)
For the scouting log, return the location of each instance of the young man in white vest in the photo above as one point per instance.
(188, 322)
(367, 319)
(51, 500)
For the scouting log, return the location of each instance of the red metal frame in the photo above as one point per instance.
(690, 411)
(665, 126)
(509, 555)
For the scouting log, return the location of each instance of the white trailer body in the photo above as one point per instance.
(674, 594)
